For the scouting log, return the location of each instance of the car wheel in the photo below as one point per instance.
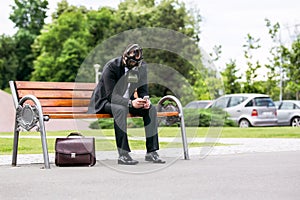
(295, 122)
(244, 123)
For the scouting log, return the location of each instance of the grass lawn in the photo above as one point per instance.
(33, 145)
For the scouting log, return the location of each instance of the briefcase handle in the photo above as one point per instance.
(75, 134)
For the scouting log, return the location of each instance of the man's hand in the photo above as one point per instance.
(139, 103)
(147, 104)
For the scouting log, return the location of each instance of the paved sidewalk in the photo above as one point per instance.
(247, 176)
(232, 146)
(247, 169)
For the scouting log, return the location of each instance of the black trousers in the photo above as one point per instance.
(120, 113)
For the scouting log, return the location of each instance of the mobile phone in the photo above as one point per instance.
(146, 98)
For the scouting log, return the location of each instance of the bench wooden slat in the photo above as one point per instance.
(54, 85)
(61, 103)
(79, 116)
(94, 116)
(55, 94)
(61, 110)
(83, 110)
(64, 102)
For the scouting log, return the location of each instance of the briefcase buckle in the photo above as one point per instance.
(73, 155)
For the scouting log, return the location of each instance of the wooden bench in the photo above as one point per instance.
(36, 102)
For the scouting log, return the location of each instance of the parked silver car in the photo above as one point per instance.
(248, 109)
(199, 104)
(288, 113)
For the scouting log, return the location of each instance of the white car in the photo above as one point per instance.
(248, 109)
(288, 113)
(199, 104)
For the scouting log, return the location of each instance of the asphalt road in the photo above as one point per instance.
(273, 175)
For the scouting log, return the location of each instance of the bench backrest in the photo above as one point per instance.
(63, 99)
(58, 97)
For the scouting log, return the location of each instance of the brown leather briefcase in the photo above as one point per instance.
(75, 150)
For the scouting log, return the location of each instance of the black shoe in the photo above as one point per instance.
(127, 160)
(154, 157)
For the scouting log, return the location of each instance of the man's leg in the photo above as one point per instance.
(150, 124)
(119, 113)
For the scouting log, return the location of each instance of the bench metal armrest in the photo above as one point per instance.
(177, 107)
(27, 117)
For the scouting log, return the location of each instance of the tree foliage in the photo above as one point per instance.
(275, 68)
(55, 51)
(28, 16)
(292, 67)
(8, 60)
(230, 78)
(62, 47)
(83, 29)
(250, 85)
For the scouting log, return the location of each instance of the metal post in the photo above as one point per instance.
(44, 140)
(15, 145)
(184, 138)
(280, 95)
(97, 73)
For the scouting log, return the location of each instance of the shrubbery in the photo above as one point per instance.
(206, 118)
(192, 117)
(108, 123)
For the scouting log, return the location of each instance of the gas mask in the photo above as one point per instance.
(133, 56)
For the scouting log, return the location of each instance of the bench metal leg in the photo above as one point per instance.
(182, 123)
(44, 142)
(27, 117)
(184, 139)
(15, 146)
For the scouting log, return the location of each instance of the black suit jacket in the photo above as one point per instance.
(113, 84)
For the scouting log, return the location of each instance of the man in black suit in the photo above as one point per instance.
(114, 94)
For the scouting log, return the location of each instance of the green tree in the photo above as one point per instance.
(101, 24)
(169, 14)
(8, 60)
(292, 66)
(24, 40)
(28, 16)
(62, 47)
(91, 27)
(275, 67)
(231, 79)
(207, 82)
(62, 6)
(251, 72)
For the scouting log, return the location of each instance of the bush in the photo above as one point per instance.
(108, 123)
(192, 117)
(206, 118)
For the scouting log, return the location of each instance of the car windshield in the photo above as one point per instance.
(236, 100)
(198, 104)
(263, 101)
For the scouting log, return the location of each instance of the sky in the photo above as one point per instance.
(224, 23)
